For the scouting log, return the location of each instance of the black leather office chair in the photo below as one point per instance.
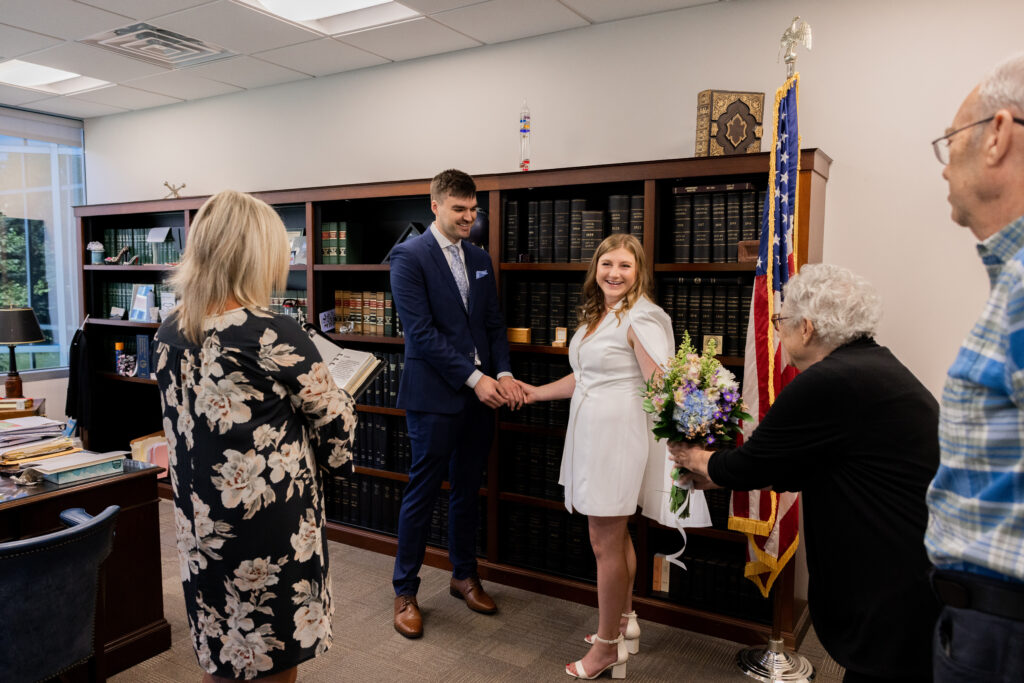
(48, 587)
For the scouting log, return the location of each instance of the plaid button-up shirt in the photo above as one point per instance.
(976, 501)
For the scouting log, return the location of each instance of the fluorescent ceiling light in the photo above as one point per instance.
(333, 17)
(46, 79)
(309, 10)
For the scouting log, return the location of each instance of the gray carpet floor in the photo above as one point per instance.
(531, 638)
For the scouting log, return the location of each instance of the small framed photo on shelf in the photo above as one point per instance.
(143, 299)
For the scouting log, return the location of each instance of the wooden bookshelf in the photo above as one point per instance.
(376, 213)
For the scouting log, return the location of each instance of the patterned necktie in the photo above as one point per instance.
(459, 271)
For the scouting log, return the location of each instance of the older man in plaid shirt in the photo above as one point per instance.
(975, 532)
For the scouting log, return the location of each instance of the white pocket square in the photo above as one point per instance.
(480, 274)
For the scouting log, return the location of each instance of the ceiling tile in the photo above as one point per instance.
(496, 21)
(236, 27)
(610, 10)
(15, 41)
(68, 106)
(13, 97)
(321, 57)
(246, 72)
(182, 85)
(409, 39)
(61, 18)
(128, 98)
(94, 61)
(431, 6)
(144, 9)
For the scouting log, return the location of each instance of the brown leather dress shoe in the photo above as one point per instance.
(408, 620)
(473, 593)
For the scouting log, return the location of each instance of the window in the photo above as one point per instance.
(42, 176)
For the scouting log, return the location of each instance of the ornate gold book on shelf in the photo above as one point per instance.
(729, 122)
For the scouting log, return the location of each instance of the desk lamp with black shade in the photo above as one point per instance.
(17, 326)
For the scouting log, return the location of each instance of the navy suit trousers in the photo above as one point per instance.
(453, 445)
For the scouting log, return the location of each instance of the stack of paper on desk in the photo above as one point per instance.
(23, 429)
(35, 450)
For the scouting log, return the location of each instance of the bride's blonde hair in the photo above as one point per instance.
(592, 308)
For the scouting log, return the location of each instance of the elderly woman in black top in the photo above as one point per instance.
(856, 432)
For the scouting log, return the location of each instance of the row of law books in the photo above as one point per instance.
(334, 243)
(531, 465)
(383, 390)
(713, 580)
(708, 221)
(366, 313)
(538, 371)
(149, 253)
(543, 307)
(565, 230)
(551, 541)
(381, 443)
(373, 503)
(708, 307)
(121, 295)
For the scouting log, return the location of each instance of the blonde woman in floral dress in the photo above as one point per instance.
(252, 418)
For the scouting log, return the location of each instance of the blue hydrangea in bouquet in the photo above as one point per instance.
(697, 401)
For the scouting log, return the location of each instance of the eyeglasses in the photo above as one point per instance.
(777, 318)
(941, 145)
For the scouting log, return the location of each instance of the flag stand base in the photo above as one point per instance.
(773, 664)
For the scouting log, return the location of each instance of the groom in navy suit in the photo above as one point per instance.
(456, 373)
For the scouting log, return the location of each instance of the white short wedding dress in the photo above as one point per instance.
(611, 462)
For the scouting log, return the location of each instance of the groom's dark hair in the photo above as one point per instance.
(452, 183)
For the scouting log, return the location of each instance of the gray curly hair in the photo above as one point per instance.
(841, 304)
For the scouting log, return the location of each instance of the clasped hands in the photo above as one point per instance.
(504, 391)
(694, 459)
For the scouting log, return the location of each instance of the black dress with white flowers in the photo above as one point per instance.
(252, 417)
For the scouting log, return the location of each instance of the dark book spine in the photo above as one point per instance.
(636, 216)
(554, 542)
(593, 233)
(573, 301)
(707, 312)
(511, 231)
(679, 322)
(693, 317)
(733, 219)
(561, 249)
(701, 250)
(719, 316)
(556, 308)
(618, 214)
(533, 231)
(718, 235)
(539, 296)
(682, 236)
(749, 226)
(667, 298)
(547, 231)
(576, 209)
(733, 321)
(520, 304)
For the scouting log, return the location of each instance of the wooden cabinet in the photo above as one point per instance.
(526, 539)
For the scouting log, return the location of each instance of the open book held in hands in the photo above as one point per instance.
(352, 370)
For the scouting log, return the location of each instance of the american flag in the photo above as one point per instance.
(771, 520)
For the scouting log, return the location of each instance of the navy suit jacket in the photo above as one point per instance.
(440, 334)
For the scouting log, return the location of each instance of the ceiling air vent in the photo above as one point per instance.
(158, 46)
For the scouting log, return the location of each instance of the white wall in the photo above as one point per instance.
(882, 80)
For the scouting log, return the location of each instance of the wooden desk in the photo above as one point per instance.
(130, 614)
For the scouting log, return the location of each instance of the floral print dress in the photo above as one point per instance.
(251, 418)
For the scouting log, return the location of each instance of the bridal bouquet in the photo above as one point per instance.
(697, 401)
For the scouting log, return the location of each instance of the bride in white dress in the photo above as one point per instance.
(611, 462)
